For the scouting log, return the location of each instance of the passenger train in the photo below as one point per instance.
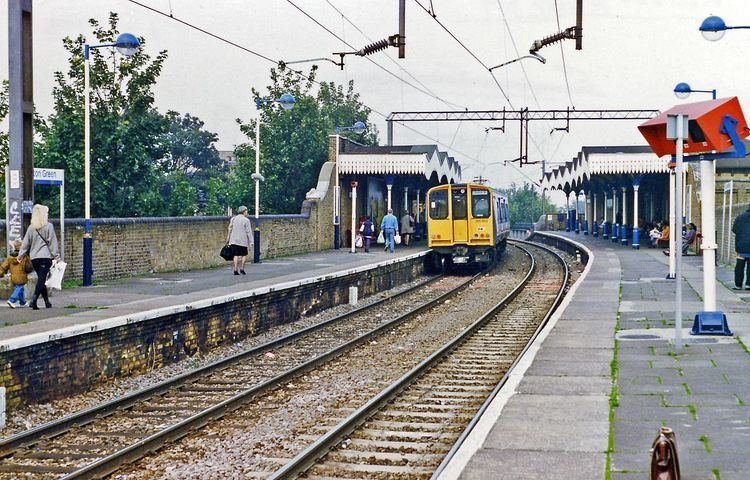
(467, 223)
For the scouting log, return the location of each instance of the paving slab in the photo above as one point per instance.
(533, 465)
(569, 385)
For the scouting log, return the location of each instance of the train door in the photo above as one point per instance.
(440, 229)
(459, 209)
(480, 221)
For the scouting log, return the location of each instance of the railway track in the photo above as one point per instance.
(95, 442)
(412, 427)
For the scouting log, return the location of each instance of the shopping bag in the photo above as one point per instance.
(359, 242)
(397, 239)
(381, 238)
(55, 277)
(226, 253)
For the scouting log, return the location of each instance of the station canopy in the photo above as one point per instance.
(601, 161)
(424, 160)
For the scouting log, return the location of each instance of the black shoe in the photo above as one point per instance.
(236, 273)
(33, 304)
(747, 287)
(243, 272)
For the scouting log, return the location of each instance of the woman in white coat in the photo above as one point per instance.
(240, 238)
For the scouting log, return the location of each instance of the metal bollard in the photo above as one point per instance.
(665, 464)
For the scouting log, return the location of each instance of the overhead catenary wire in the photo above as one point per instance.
(426, 91)
(515, 48)
(332, 33)
(397, 64)
(206, 32)
(523, 69)
(430, 12)
(484, 65)
(562, 55)
(276, 62)
(468, 50)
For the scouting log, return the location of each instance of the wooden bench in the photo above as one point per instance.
(695, 245)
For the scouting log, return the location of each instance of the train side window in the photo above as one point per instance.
(480, 203)
(507, 212)
(458, 197)
(439, 204)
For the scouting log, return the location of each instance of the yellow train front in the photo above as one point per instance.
(467, 223)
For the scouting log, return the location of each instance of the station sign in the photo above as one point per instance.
(49, 176)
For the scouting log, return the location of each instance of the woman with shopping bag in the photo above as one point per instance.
(40, 244)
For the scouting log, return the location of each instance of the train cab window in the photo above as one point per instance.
(458, 196)
(439, 204)
(480, 203)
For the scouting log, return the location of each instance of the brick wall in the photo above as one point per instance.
(136, 246)
(57, 368)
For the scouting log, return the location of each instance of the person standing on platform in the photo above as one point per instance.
(40, 243)
(389, 226)
(240, 238)
(407, 228)
(741, 229)
(367, 232)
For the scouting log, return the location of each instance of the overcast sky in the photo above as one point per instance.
(634, 52)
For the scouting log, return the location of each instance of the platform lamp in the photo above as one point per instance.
(682, 91)
(716, 130)
(358, 128)
(287, 103)
(127, 44)
(713, 28)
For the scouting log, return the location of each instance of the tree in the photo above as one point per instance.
(190, 148)
(294, 143)
(126, 132)
(525, 204)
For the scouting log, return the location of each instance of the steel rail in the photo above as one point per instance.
(475, 419)
(308, 457)
(109, 464)
(42, 432)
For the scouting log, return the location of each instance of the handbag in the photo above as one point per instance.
(359, 242)
(397, 239)
(226, 253)
(381, 238)
(56, 273)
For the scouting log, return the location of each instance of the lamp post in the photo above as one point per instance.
(682, 91)
(287, 103)
(713, 28)
(127, 44)
(358, 128)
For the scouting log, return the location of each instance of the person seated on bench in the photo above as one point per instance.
(653, 235)
(689, 237)
(664, 237)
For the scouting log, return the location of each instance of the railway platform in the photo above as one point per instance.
(131, 296)
(591, 394)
